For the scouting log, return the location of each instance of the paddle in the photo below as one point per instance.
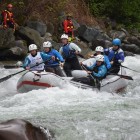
(11, 75)
(129, 69)
(122, 76)
(98, 85)
(80, 55)
(11, 66)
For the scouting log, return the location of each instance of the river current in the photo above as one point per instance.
(77, 114)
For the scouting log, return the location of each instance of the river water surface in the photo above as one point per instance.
(77, 114)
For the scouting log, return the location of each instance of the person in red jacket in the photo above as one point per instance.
(8, 18)
(68, 26)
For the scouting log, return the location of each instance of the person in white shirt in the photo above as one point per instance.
(69, 51)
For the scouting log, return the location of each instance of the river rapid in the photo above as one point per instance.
(77, 114)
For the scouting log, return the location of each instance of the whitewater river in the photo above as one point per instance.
(77, 114)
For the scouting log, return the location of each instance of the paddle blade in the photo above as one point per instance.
(122, 76)
(126, 77)
(5, 78)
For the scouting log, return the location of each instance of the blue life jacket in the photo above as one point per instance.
(55, 53)
(98, 71)
(116, 56)
(67, 52)
(101, 73)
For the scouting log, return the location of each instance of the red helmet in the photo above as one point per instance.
(9, 6)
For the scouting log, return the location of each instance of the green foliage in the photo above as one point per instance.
(123, 11)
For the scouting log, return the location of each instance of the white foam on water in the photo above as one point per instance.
(74, 113)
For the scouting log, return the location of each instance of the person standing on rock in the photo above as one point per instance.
(8, 18)
(68, 27)
(69, 51)
(100, 51)
(35, 58)
(115, 55)
(53, 65)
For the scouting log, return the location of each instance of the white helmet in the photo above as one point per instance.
(100, 58)
(32, 47)
(64, 36)
(99, 49)
(47, 44)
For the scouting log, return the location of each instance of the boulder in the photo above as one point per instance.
(131, 48)
(38, 26)
(7, 39)
(30, 35)
(101, 42)
(50, 28)
(117, 34)
(76, 24)
(47, 37)
(134, 40)
(19, 51)
(17, 129)
(127, 53)
(86, 50)
(22, 44)
(87, 34)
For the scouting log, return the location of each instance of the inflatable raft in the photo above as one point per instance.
(33, 80)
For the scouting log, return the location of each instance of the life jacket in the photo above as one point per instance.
(51, 52)
(96, 69)
(68, 25)
(9, 18)
(36, 60)
(67, 52)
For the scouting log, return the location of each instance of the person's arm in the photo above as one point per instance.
(13, 18)
(121, 57)
(26, 63)
(75, 47)
(101, 73)
(65, 24)
(5, 20)
(59, 56)
(107, 62)
(45, 56)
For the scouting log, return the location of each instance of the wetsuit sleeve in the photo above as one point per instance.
(107, 62)
(45, 56)
(121, 57)
(26, 62)
(75, 47)
(59, 56)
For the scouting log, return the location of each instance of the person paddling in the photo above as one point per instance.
(100, 51)
(34, 58)
(53, 65)
(69, 52)
(97, 72)
(115, 55)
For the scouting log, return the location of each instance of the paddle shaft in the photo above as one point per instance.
(122, 76)
(11, 75)
(95, 80)
(129, 69)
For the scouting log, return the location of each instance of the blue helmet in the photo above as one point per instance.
(116, 42)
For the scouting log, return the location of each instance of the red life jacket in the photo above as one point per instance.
(68, 26)
(7, 16)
